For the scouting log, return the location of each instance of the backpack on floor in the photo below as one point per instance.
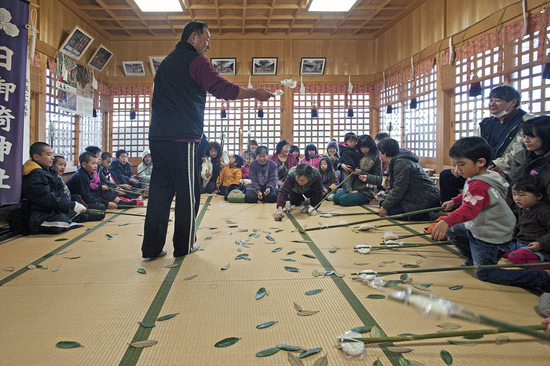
(236, 196)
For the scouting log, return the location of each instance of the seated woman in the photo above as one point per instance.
(263, 178)
(211, 167)
(311, 157)
(302, 180)
(535, 156)
(284, 160)
(367, 179)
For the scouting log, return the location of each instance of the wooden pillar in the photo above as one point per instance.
(444, 123)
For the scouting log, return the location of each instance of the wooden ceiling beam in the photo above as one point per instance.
(244, 15)
(316, 24)
(102, 4)
(380, 8)
(76, 10)
(269, 17)
(346, 16)
(412, 5)
(139, 15)
(296, 13)
(218, 16)
(188, 7)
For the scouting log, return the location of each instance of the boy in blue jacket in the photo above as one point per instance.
(122, 171)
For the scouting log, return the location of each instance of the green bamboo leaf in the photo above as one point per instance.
(261, 293)
(278, 231)
(474, 336)
(392, 283)
(399, 349)
(310, 352)
(448, 326)
(333, 250)
(190, 277)
(294, 360)
(265, 325)
(68, 344)
(267, 352)
(147, 324)
(404, 276)
(407, 281)
(226, 342)
(329, 273)
(297, 307)
(375, 332)
(286, 347)
(502, 339)
(207, 238)
(339, 274)
(461, 342)
(307, 312)
(315, 273)
(446, 357)
(377, 363)
(404, 362)
(166, 317)
(141, 270)
(410, 266)
(421, 287)
(174, 265)
(277, 250)
(458, 287)
(55, 269)
(376, 296)
(288, 260)
(291, 269)
(323, 361)
(229, 233)
(309, 256)
(61, 239)
(363, 329)
(269, 238)
(291, 252)
(143, 344)
(406, 334)
(242, 256)
(416, 363)
(314, 292)
(226, 266)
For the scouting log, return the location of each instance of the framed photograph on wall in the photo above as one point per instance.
(224, 66)
(264, 66)
(313, 65)
(76, 43)
(133, 68)
(155, 62)
(100, 58)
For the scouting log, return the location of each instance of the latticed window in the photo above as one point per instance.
(390, 113)
(91, 130)
(60, 125)
(131, 135)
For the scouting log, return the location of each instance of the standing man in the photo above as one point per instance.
(177, 121)
(502, 131)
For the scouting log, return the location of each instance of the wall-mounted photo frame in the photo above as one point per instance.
(264, 66)
(224, 66)
(76, 43)
(313, 65)
(133, 68)
(100, 58)
(155, 63)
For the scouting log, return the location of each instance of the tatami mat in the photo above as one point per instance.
(98, 298)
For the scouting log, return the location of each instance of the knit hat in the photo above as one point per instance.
(333, 143)
(145, 153)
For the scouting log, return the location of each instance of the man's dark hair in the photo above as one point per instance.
(105, 155)
(472, 148)
(239, 161)
(93, 149)
(86, 157)
(304, 170)
(120, 152)
(381, 135)
(194, 26)
(280, 146)
(350, 136)
(37, 148)
(389, 147)
(262, 150)
(538, 127)
(507, 93)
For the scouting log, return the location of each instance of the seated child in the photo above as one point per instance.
(230, 176)
(311, 157)
(481, 228)
(211, 167)
(145, 169)
(80, 182)
(263, 178)
(302, 180)
(329, 177)
(349, 158)
(295, 150)
(410, 187)
(532, 234)
(45, 206)
(108, 180)
(250, 157)
(59, 165)
(122, 171)
(332, 153)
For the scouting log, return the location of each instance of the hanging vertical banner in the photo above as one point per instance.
(14, 16)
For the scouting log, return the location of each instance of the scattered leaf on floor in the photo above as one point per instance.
(73, 257)
(124, 224)
(286, 347)
(458, 287)
(309, 256)
(68, 344)
(294, 360)
(392, 283)
(314, 292)
(315, 273)
(411, 266)
(329, 273)
(310, 352)
(141, 270)
(267, 352)
(171, 265)
(143, 344)
(404, 276)
(207, 238)
(381, 264)
(291, 252)
(265, 325)
(242, 256)
(360, 264)
(375, 332)
(408, 281)
(291, 269)
(226, 342)
(323, 361)
(63, 252)
(307, 312)
(446, 357)
(166, 317)
(261, 293)
(56, 269)
(226, 266)
(147, 324)
(399, 349)
(448, 326)
(61, 239)
(474, 336)
(190, 277)
(278, 231)
(277, 250)
(502, 339)
(377, 363)
(376, 296)
(9, 269)
(461, 342)
(288, 260)
(362, 329)
(339, 274)
(297, 307)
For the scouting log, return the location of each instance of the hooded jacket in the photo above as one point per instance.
(525, 162)
(144, 171)
(314, 186)
(122, 173)
(410, 186)
(349, 156)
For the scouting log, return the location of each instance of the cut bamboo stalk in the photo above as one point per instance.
(113, 213)
(440, 335)
(324, 198)
(409, 245)
(445, 269)
(412, 213)
(412, 235)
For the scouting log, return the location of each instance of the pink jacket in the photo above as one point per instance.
(314, 162)
(245, 170)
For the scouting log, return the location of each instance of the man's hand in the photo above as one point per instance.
(208, 174)
(267, 191)
(439, 231)
(546, 321)
(382, 211)
(125, 186)
(260, 196)
(112, 206)
(534, 246)
(346, 168)
(279, 213)
(134, 181)
(104, 188)
(263, 94)
(448, 205)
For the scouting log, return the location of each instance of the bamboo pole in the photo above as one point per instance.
(412, 235)
(347, 214)
(334, 190)
(412, 213)
(136, 191)
(113, 213)
(409, 245)
(440, 335)
(445, 269)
